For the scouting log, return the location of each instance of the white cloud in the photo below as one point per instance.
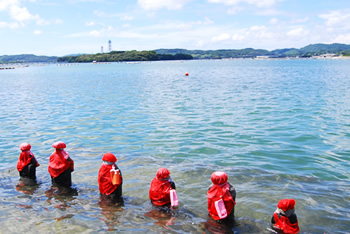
(238, 37)
(207, 21)
(126, 18)
(121, 16)
(263, 3)
(37, 32)
(199, 44)
(42, 22)
(58, 21)
(77, 35)
(5, 4)
(90, 23)
(269, 12)
(273, 21)
(103, 32)
(11, 25)
(103, 14)
(95, 33)
(221, 37)
(342, 38)
(99, 13)
(21, 14)
(234, 10)
(183, 26)
(159, 4)
(337, 26)
(77, 1)
(336, 18)
(169, 25)
(302, 20)
(298, 32)
(258, 3)
(259, 32)
(126, 25)
(257, 28)
(256, 33)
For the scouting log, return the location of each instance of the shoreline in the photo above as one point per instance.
(10, 66)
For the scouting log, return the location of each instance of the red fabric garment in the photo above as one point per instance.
(285, 225)
(286, 204)
(159, 192)
(105, 181)
(24, 159)
(217, 192)
(59, 162)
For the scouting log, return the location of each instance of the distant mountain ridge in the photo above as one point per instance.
(27, 58)
(307, 51)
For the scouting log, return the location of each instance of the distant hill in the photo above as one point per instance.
(122, 56)
(27, 58)
(217, 54)
(318, 49)
(307, 51)
(182, 54)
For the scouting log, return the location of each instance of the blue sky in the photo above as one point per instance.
(62, 27)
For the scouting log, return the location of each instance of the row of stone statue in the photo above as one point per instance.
(221, 194)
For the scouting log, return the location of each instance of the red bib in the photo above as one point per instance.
(59, 163)
(285, 225)
(159, 192)
(215, 193)
(24, 159)
(104, 180)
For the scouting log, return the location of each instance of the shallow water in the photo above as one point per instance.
(279, 128)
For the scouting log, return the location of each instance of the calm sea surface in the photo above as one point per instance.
(278, 128)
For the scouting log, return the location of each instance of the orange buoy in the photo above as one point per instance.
(186, 74)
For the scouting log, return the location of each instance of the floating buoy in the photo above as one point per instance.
(186, 74)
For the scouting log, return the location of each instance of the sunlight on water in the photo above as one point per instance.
(279, 128)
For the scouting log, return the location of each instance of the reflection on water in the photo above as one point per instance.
(27, 186)
(61, 193)
(111, 211)
(65, 197)
(165, 217)
(213, 226)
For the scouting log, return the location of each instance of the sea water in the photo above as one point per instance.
(278, 128)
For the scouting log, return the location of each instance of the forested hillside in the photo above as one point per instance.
(119, 56)
(182, 54)
(27, 58)
(307, 51)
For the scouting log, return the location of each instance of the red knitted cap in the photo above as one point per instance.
(219, 177)
(109, 157)
(59, 145)
(163, 173)
(25, 146)
(286, 204)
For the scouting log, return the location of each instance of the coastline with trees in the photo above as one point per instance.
(123, 56)
(335, 50)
